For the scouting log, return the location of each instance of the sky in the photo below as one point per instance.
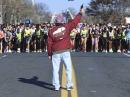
(56, 6)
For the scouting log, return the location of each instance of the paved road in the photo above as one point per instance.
(96, 75)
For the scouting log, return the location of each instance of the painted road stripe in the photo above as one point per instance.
(128, 55)
(64, 92)
(74, 92)
(3, 56)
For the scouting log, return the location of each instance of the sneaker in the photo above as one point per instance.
(96, 51)
(119, 51)
(103, 51)
(18, 50)
(27, 50)
(9, 51)
(111, 51)
(128, 51)
(69, 88)
(57, 88)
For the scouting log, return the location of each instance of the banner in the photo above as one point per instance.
(127, 20)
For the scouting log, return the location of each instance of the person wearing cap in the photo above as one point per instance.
(59, 47)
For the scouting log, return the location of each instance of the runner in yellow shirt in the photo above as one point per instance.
(84, 36)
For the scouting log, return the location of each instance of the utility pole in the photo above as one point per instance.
(1, 19)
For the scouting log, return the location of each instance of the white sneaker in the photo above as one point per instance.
(9, 51)
(96, 51)
(27, 50)
(69, 88)
(57, 88)
(111, 51)
(103, 51)
(119, 51)
(18, 50)
(128, 51)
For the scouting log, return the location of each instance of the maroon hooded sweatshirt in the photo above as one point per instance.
(59, 36)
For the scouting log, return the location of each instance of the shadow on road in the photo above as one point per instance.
(34, 81)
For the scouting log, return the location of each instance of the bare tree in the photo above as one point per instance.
(15, 11)
(110, 10)
(43, 12)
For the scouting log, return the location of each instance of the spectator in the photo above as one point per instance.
(128, 38)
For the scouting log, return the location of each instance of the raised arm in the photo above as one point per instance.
(73, 23)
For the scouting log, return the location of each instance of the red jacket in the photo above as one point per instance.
(59, 37)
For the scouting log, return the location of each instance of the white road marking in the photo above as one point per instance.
(93, 91)
(3, 56)
(128, 55)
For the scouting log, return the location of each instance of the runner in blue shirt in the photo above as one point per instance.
(128, 38)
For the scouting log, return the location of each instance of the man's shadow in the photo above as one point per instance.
(34, 81)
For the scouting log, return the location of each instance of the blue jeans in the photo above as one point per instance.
(56, 60)
(128, 43)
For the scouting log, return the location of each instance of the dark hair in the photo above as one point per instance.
(59, 24)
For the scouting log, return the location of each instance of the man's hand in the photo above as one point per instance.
(82, 10)
(49, 57)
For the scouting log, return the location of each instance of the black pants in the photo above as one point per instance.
(24, 44)
(116, 44)
(104, 43)
(123, 44)
(38, 43)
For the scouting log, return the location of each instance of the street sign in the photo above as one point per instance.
(127, 20)
(28, 21)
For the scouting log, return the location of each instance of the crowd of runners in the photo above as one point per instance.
(85, 38)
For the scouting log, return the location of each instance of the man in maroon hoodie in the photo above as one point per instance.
(59, 47)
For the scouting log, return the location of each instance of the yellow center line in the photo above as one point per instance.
(64, 92)
(74, 92)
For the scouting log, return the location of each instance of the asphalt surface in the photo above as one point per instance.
(97, 75)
